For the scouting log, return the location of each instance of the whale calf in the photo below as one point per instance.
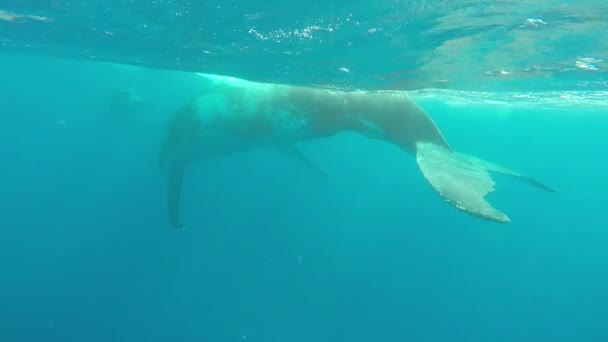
(231, 115)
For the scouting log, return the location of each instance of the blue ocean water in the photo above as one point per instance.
(272, 251)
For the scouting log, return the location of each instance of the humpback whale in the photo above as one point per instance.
(231, 114)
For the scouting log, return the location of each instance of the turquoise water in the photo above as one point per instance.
(272, 251)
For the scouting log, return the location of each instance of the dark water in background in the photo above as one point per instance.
(272, 252)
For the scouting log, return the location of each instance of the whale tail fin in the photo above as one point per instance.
(464, 180)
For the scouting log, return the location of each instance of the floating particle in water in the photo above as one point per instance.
(254, 16)
(587, 63)
(501, 72)
(346, 70)
(535, 22)
(16, 17)
(7, 16)
(257, 34)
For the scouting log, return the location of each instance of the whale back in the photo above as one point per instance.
(397, 116)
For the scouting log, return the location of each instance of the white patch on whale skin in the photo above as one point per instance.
(216, 111)
(288, 126)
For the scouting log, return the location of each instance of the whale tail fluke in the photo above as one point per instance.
(464, 180)
(507, 172)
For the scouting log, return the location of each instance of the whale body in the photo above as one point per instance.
(230, 115)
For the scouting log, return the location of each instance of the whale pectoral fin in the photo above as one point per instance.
(459, 181)
(297, 154)
(174, 191)
(507, 172)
